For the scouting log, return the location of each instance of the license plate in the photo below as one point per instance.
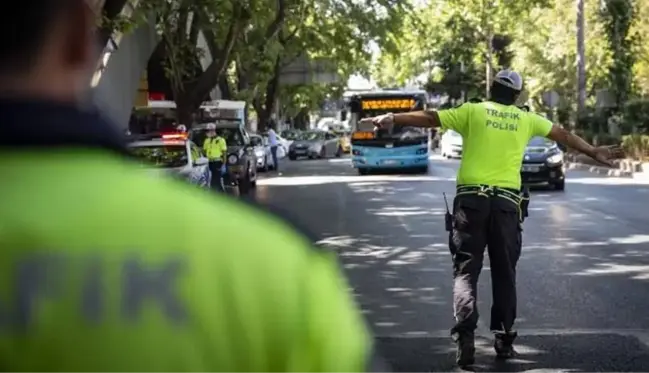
(300, 151)
(531, 168)
(389, 146)
(390, 161)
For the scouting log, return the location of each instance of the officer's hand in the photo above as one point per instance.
(607, 154)
(382, 121)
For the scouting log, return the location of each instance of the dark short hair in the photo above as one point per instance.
(503, 94)
(23, 28)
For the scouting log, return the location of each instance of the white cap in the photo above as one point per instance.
(509, 78)
(181, 128)
(211, 126)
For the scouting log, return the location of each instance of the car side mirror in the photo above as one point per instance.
(202, 161)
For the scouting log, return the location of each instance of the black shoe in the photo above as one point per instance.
(465, 349)
(504, 345)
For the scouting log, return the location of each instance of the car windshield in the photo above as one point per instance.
(540, 141)
(232, 136)
(257, 140)
(311, 136)
(290, 135)
(163, 156)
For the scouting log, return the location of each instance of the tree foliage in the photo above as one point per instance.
(333, 31)
(455, 44)
(618, 17)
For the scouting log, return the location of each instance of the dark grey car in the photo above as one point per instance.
(315, 144)
(241, 161)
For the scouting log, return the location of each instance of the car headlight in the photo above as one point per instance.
(233, 158)
(555, 159)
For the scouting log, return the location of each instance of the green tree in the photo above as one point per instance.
(618, 17)
(333, 30)
(179, 24)
(458, 36)
(546, 51)
(641, 67)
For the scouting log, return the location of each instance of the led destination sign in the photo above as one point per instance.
(388, 104)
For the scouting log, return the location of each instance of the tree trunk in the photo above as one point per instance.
(300, 120)
(265, 108)
(224, 86)
(211, 76)
(262, 119)
(489, 64)
(581, 59)
(184, 112)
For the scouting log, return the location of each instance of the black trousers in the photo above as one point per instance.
(480, 221)
(217, 177)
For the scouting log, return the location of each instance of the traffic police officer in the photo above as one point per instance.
(105, 268)
(216, 149)
(486, 209)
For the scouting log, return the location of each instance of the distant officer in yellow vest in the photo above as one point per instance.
(216, 149)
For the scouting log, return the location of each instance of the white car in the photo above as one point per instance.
(172, 155)
(262, 151)
(284, 144)
(451, 144)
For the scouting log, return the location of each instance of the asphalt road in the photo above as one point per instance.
(583, 278)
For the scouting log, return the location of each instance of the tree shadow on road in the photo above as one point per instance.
(389, 234)
(564, 353)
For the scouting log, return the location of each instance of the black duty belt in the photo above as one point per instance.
(510, 194)
(518, 198)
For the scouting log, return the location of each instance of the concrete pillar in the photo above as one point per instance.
(115, 93)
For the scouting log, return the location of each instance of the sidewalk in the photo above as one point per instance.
(625, 167)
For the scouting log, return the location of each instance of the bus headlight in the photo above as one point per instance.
(233, 158)
(554, 159)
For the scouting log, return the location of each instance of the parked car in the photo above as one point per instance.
(315, 144)
(241, 161)
(451, 144)
(172, 155)
(262, 151)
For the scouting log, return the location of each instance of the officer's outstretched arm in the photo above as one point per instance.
(424, 119)
(334, 336)
(560, 135)
(602, 154)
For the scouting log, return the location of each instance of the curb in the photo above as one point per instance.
(612, 172)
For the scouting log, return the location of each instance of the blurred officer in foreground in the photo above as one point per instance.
(216, 150)
(104, 268)
(487, 206)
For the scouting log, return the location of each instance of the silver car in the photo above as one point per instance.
(315, 144)
(262, 151)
